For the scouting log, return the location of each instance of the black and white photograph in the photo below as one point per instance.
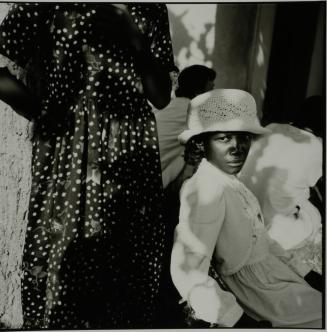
(162, 165)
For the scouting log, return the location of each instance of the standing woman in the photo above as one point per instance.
(95, 236)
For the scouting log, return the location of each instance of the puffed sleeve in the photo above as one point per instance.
(200, 221)
(160, 39)
(21, 31)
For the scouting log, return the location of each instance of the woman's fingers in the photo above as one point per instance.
(114, 22)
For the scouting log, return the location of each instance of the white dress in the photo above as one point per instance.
(221, 221)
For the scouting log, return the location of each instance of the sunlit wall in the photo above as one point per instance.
(234, 39)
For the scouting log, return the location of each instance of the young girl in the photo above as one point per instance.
(220, 221)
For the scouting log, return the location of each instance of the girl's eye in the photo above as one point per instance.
(223, 139)
(248, 137)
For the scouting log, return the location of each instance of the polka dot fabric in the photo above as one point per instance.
(95, 237)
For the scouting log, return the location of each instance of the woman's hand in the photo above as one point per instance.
(116, 24)
(315, 280)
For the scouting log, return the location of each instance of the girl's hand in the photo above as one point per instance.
(205, 303)
(193, 153)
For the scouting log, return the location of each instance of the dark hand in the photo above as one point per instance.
(315, 280)
(248, 322)
(115, 23)
(193, 153)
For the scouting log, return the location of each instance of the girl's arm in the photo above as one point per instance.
(201, 218)
(16, 95)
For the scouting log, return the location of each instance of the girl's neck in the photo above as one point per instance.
(230, 176)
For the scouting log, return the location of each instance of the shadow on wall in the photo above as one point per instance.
(234, 39)
(4, 7)
(193, 33)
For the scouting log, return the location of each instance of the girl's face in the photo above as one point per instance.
(228, 150)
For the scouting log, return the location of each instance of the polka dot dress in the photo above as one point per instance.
(95, 237)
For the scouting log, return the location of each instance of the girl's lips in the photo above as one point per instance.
(236, 163)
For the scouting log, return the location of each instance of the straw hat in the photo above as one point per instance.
(222, 110)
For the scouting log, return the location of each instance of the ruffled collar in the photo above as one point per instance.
(206, 166)
(248, 200)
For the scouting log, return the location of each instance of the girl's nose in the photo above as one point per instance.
(237, 144)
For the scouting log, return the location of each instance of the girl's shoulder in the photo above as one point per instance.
(203, 188)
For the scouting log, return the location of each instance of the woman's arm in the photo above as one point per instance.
(156, 81)
(16, 95)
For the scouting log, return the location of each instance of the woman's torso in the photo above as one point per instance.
(77, 59)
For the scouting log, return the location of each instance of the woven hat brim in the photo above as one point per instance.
(254, 129)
